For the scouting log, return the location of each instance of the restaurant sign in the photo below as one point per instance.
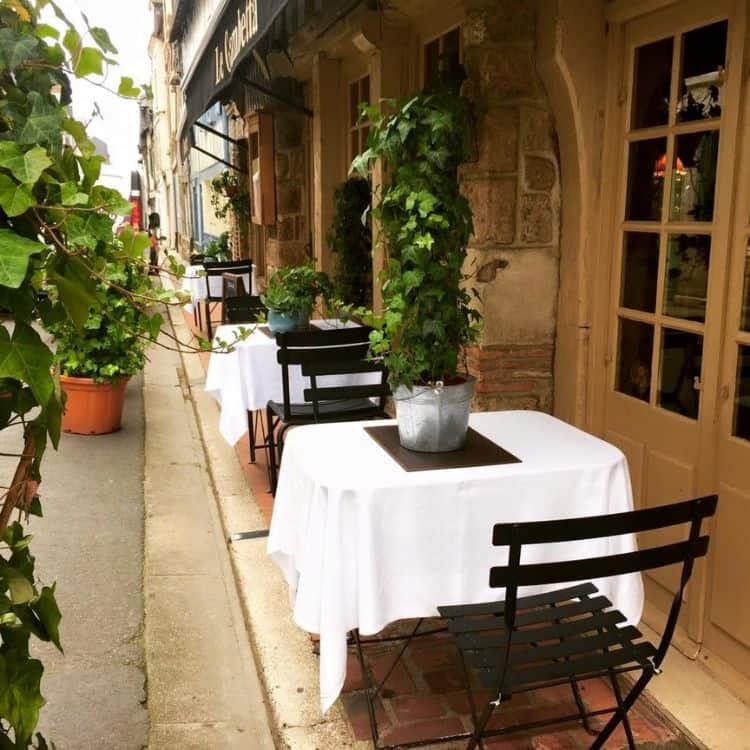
(238, 34)
(239, 28)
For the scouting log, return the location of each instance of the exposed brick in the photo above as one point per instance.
(537, 132)
(514, 386)
(444, 680)
(409, 708)
(399, 682)
(354, 679)
(424, 730)
(435, 657)
(355, 705)
(557, 741)
(459, 701)
(497, 139)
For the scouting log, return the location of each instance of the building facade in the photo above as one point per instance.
(610, 191)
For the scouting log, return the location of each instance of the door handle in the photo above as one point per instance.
(697, 383)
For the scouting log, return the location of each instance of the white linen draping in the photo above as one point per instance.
(363, 543)
(194, 282)
(247, 378)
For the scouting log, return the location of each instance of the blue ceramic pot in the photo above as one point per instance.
(280, 322)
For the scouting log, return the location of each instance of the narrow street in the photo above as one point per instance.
(91, 542)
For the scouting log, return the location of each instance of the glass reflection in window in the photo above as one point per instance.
(741, 422)
(640, 270)
(636, 343)
(646, 169)
(745, 321)
(652, 81)
(694, 176)
(687, 276)
(681, 358)
(704, 55)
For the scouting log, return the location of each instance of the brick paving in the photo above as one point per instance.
(424, 695)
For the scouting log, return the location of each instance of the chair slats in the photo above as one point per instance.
(598, 621)
(600, 567)
(346, 392)
(324, 337)
(616, 524)
(242, 309)
(323, 354)
(578, 668)
(524, 602)
(338, 367)
(569, 648)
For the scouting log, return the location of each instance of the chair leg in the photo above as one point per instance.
(271, 452)
(470, 694)
(209, 325)
(479, 728)
(369, 698)
(621, 713)
(625, 720)
(251, 425)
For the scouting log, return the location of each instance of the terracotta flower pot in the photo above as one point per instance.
(92, 408)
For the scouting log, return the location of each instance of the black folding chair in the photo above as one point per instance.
(246, 308)
(322, 354)
(232, 285)
(567, 634)
(218, 269)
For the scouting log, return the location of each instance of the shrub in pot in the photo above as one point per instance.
(425, 225)
(291, 295)
(97, 360)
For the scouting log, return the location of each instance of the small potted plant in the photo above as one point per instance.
(218, 249)
(291, 295)
(97, 360)
(425, 224)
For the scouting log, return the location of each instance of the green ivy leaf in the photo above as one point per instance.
(26, 167)
(27, 358)
(45, 31)
(127, 88)
(71, 195)
(16, 49)
(46, 609)
(14, 198)
(89, 62)
(20, 693)
(15, 253)
(21, 590)
(72, 42)
(101, 37)
(76, 288)
(43, 124)
(84, 143)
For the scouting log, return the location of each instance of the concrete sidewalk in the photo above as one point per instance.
(203, 690)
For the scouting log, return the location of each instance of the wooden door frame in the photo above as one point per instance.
(602, 356)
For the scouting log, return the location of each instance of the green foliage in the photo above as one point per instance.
(295, 289)
(218, 249)
(350, 237)
(230, 195)
(59, 266)
(425, 224)
(112, 342)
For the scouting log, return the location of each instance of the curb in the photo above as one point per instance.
(288, 669)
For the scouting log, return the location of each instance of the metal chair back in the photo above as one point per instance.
(242, 308)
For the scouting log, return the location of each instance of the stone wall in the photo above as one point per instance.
(513, 188)
(288, 240)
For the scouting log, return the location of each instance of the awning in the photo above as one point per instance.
(236, 32)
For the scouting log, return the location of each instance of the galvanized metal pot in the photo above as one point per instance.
(434, 419)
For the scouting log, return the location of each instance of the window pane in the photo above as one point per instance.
(646, 168)
(745, 322)
(694, 176)
(687, 276)
(741, 425)
(681, 356)
(640, 270)
(652, 79)
(365, 136)
(354, 144)
(704, 55)
(636, 342)
(451, 57)
(364, 85)
(353, 104)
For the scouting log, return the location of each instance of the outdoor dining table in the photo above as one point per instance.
(194, 282)
(363, 543)
(248, 377)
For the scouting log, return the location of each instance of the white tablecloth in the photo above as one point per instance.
(195, 282)
(363, 543)
(247, 378)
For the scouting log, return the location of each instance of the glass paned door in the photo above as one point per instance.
(672, 170)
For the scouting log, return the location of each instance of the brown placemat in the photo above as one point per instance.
(477, 451)
(271, 335)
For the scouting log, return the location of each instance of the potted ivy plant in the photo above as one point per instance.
(425, 224)
(291, 295)
(97, 360)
